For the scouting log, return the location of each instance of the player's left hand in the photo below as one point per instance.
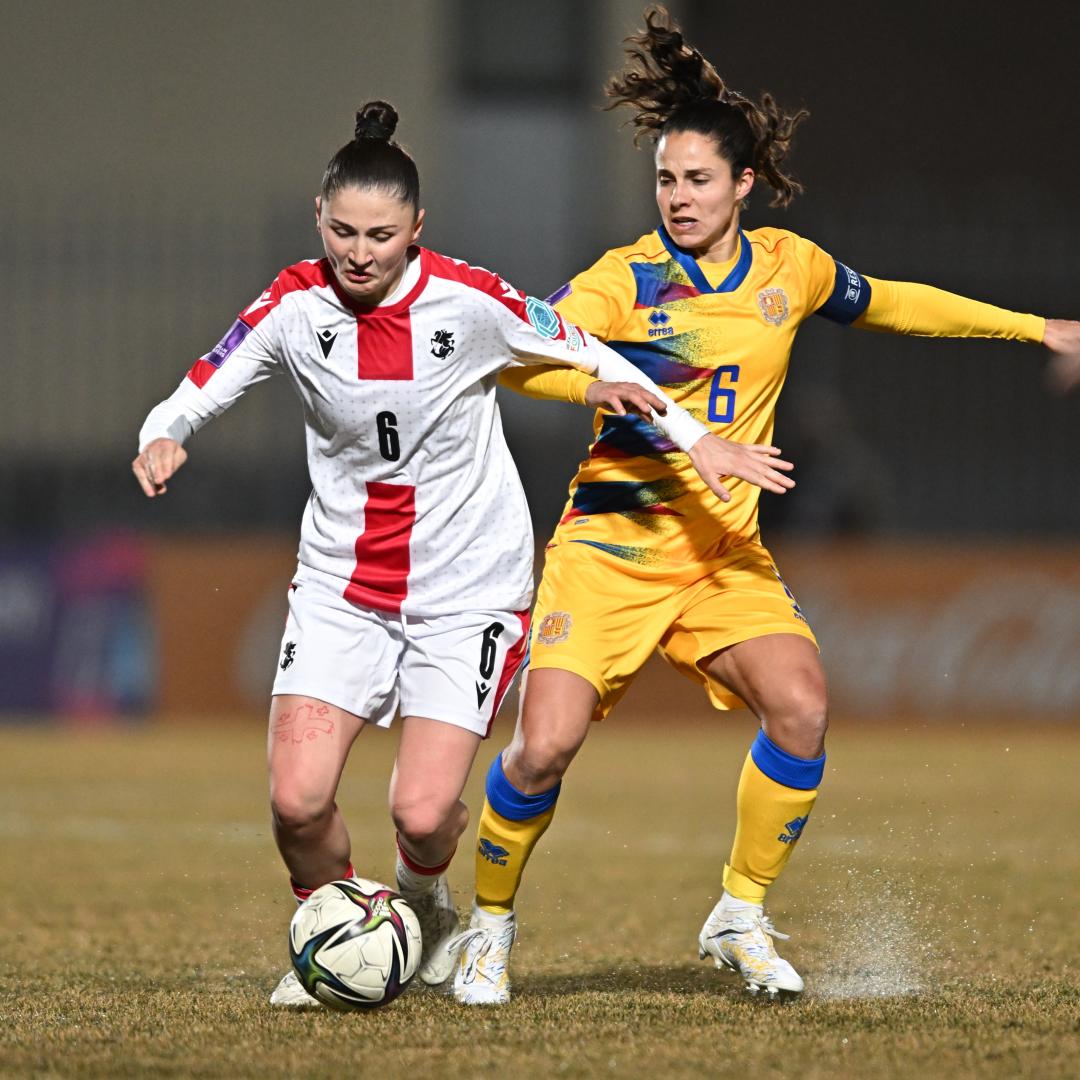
(624, 397)
(1062, 338)
(715, 458)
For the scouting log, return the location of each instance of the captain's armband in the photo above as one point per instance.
(849, 298)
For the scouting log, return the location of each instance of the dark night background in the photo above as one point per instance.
(159, 167)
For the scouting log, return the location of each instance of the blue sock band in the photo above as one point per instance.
(514, 805)
(787, 769)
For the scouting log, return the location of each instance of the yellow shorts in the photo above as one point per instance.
(600, 616)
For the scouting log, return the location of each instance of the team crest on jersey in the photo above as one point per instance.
(554, 627)
(542, 316)
(774, 305)
(442, 344)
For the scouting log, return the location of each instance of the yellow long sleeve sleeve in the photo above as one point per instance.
(547, 382)
(903, 307)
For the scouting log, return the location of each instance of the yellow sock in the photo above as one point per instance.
(776, 793)
(511, 823)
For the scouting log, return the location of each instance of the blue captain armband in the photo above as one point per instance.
(849, 299)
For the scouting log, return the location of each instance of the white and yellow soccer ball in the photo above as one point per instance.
(354, 944)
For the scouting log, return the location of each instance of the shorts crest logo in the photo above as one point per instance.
(774, 305)
(542, 316)
(289, 655)
(554, 627)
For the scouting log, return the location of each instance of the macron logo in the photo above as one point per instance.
(262, 302)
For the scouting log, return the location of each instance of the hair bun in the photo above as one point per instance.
(376, 120)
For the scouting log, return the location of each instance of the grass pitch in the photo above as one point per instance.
(932, 905)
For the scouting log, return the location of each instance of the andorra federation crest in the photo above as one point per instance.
(554, 628)
(774, 305)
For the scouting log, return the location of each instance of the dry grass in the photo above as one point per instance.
(932, 902)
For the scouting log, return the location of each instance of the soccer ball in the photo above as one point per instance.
(355, 944)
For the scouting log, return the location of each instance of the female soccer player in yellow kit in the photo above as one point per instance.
(644, 557)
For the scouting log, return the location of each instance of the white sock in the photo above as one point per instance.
(488, 919)
(733, 905)
(411, 883)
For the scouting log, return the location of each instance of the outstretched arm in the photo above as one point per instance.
(902, 307)
(215, 381)
(552, 383)
(714, 458)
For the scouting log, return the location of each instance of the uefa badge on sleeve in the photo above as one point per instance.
(774, 305)
(542, 316)
(554, 627)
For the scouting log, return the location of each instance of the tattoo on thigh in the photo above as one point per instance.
(307, 722)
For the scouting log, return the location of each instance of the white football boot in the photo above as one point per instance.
(482, 975)
(739, 936)
(438, 920)
(290, 993)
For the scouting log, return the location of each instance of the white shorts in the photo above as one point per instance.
(454, 668)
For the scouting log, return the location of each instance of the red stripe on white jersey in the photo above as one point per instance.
(511, 665)
(384, 346)
(485, 281)
(200, 372)
(381, 577)
(297, 278)
(309, 274)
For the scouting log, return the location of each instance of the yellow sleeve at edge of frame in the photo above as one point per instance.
(903, 307)
(547, 382)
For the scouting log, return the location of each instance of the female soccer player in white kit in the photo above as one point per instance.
(415, 563)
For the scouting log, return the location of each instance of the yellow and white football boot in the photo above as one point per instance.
(739, 936)
(482, 975)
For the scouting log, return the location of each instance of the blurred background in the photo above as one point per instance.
(160, 162)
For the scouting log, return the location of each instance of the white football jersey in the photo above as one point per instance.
(416, 506)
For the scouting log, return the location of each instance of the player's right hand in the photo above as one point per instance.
(1062, 338)
(156, 464)
(716, 458)
(621, 398)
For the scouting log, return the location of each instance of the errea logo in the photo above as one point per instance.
(794, 830)
(660, 320)
(494, 853)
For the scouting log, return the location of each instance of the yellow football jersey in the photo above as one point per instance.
(717, 338)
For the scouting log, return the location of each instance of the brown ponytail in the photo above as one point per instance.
(671, 87)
